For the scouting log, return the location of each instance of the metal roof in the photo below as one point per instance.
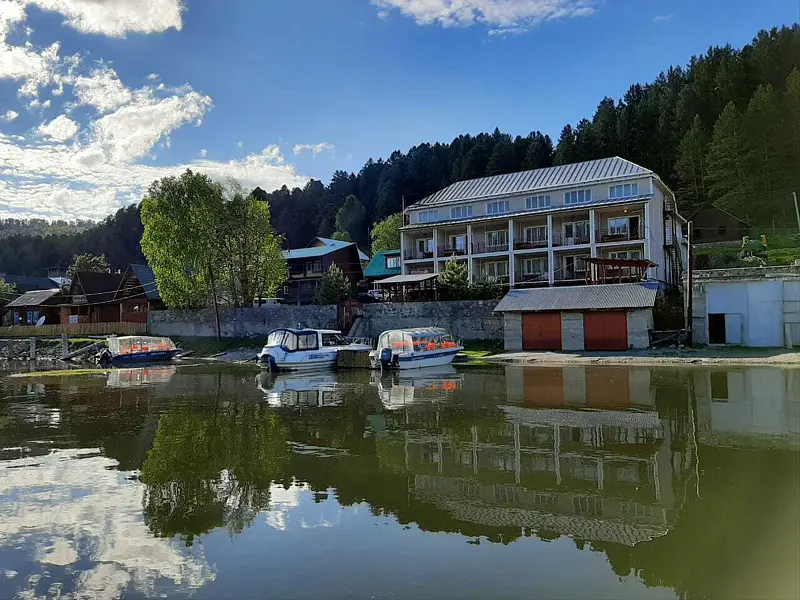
(581, 297)
(341, 244)
(377, 266)
(315, 251)
(407, 278)
(147, 279)
(538, 179)
(35, 298)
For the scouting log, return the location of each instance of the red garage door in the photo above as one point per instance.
(541, 331)
(605, 331)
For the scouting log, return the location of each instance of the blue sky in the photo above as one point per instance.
(100, 97)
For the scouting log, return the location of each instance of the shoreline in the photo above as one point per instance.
(772, 357)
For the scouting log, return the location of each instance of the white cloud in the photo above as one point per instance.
(152, 77)
(61, 129)
(9, 116)
(117, 18)
(501, 16)
(240, 144)
(203, 153)
(315, 148)
(662, 18)
(101, 89)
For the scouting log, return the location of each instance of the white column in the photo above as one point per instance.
(551, 266)
(402, 253)
(435, 250)
(593, 241)
(469, 252)
(557, 452)
(517, 455)
(511, 278)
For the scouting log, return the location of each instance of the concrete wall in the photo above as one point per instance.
(572, 332)
(467, 320)
(512, 331)
(640, 322)
(240, 322)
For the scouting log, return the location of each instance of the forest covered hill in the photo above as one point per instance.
(723, 130)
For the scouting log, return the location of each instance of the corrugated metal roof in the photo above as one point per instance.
(35, 298)
(530, 181)
(377, 266)
(408, 278)
(341, 244)
(146, 277)
(315, 251)
(581, 297)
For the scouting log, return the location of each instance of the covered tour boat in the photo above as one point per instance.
(138, 349)
(304, 349)
(415, 348)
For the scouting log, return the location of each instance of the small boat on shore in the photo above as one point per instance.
(415, 348)
(137, 349)
(304, 349)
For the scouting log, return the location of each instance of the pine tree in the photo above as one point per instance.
(726, 164)
(565, 150)
(334, 288)
(540, 152)
(503, 158)
(691, 168)
(454, 280)
(791, 108)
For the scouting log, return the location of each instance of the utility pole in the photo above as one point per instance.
(690, 291)
(796, 209)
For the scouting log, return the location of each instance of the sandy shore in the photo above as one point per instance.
(701, 356)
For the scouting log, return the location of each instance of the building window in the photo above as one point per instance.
(425, 245)
(578, 197)
(576, 232)
(428, 216)
(534, 266)
(535, 202)
(314, 267)
(495, 271)
(625, 255)
(535, 235)
(618, 226)
(497, 239)
(392, 262)
(498, 208)
(461, 212)
(457, 242)
(628, 190)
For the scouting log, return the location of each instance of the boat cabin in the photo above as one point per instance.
(416, 340)
(291, 340)
(123, 346)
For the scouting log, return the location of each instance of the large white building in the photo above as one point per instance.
(536, 228)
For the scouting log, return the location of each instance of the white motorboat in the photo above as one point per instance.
(401, 389)
(415, 348)
(301, 390)
(304, 349)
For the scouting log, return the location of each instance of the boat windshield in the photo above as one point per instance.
(333, 339)
(284, 338)
(420, 340)
(136, 345)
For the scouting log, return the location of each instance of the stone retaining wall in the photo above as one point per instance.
(466, 320)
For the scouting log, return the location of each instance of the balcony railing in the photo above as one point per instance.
(501, 279)
(530, 278)
(417, 255)
(570, 275)
(484, 248)
(530, 245)
(445, 251)
(619, 235)
(559, 239)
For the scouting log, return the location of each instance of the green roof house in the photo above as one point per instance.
(383, 264)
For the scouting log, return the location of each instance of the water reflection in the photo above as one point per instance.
(649, 479)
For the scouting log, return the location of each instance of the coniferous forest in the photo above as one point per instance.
(724, 130)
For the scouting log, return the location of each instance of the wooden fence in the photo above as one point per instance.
(78, 330)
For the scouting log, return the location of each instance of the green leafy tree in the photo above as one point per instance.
(454, 280)
(341, 236)
(352, 217)
(482, 289)
(691, 168)
(791, 103)
(386, 234)
(727, 177)
(334, 288)
(7, 293)
(84, 263)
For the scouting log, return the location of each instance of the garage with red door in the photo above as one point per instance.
(605, 330)
(609, 317)
(541, 331)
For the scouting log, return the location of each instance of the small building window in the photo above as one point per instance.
(578, 197)
(627, 190)
(497, 240)
(618, 226)
(428, 216)
(535, 202)
(461, 212)
(535, 235)
(498, 208)
(392, 262)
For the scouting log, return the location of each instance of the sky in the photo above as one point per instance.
(98, 98)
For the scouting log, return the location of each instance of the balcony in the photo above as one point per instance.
(578, 239)
(533, 279)
(418, 255)
(483, 248)
(447, 251)
(530, 245)
(619, 235)
(498, 279)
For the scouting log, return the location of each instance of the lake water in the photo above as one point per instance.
(579, 482)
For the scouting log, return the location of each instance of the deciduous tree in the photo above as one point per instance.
(386, 234)
(334, 288)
